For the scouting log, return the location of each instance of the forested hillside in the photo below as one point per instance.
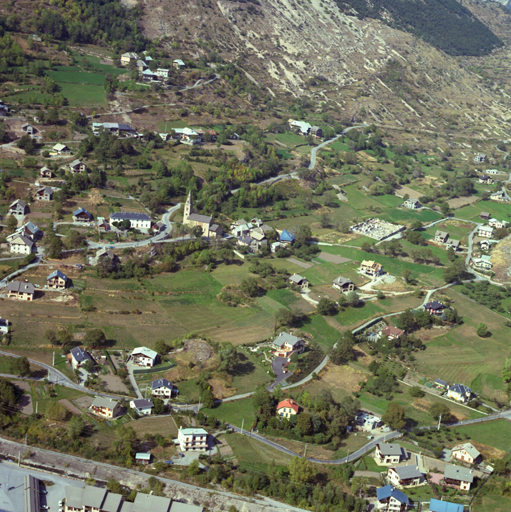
(445, 24)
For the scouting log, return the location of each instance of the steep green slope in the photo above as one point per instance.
(445, 24)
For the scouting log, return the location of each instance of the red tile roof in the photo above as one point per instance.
(288, 402)
(390, 330)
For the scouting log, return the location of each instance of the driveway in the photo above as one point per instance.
(278, 367)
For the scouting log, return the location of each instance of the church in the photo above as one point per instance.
(209, 230)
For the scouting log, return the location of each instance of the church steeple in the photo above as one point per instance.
(188, 206)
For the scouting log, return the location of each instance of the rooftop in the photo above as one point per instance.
(387, 491)
(288, 402)
(119, 216)
(161, 383)
(458, 473)
(284, 338)
(144, 351)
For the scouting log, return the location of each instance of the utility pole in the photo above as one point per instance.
(53, 364)
(36, 405)
(305, 451)
(242, 423)
(26, 439)
(439, 421)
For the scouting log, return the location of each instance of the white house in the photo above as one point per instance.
(143, 356)
(128, 57)
(303, 127)
(61, 149)
(178, 63)
(192, 439)
(286, 344)
(299, 281)
(485, 231)
(162, 388)
(497, 224)
(458, 476)
(77, 167)
(466, 452)
(405, 476)
(78, 357)
(57, 280)
(18, 207)
(21, 244)
(460, 393)
(386, 453)
(142, 406)
(20, 291)
(483, 262)
(412, 203)
(44, 194)
(163, 73)
(137, 220)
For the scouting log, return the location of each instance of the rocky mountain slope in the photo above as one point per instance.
(364, 68)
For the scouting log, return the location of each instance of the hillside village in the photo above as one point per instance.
(214, 295)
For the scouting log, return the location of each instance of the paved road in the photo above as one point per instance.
(323, 144)
(6, 279)
(281, 374)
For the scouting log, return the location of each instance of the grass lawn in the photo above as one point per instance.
(478, 361)
(163, 425)
(234, 412)
(368, 463)
(493, 433)
(348, 445)
(83, 94)
(486, 501)
(250, 372)
(255, 455)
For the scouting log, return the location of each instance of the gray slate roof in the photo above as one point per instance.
(74, 496)
(143, 403)
(101, 401)
(18, 286)
(161, 383)
(341, 281)
(112, 502)
(459, 473)
(390, 449)
(407, 472)
(469, 448)
(285, 337)
(297, 279)
(119, 216)
(151, 503)
(93, 496)
(57, 273)
(80, 355)
(196, 217)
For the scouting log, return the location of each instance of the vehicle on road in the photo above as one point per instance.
(168, 462)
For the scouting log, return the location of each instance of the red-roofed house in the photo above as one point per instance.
(392, 333)
(287, 408)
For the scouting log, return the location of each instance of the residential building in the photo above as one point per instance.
(178, 63)
(480, 158)
(105, 253)
(61, 149)
(459, 477)
(87, 498)
(444, 506)
(367, 421)
(118, 129)
(441, 236)
(162, 388)
(78, 357)
(20, 291)
(497, 224)
(158, 227)
(392, 333)
(143, 356)
(371, 268)
(343, 284)
(301, 126)
(57, 280)
(20, 244)
(44, 194)
(441, 383)
(392, 499)
(466, 452)
(148, 75)
(4, 326)
(484, 216)
(28, 129)
(143, 458)
(196, 220)
(4, 109)
(460, 393)
(486, 180)
(299, 281)
(483, 262)
(192, 439)
(137, 220)
(102, 225)
(105, 407)
(30, 230)
(286, 237)
(163, 73)
(81, 215)
(412, 203)
(485, 231)
(493, 172)
(405, 476)
(287, 408)
(386, 453)
(188, 136)
(501, 195)
(77, 167)
(45, 172)
(286, 344)
(316, 132)
(453, 244)
(484, 245)
(18, 207)
(142, 406)
(435, 308)
(128, 58)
